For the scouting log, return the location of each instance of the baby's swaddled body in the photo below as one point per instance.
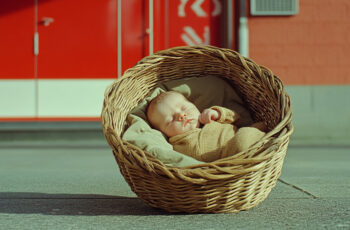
(217, 139)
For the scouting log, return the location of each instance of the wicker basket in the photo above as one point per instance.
(226, 185)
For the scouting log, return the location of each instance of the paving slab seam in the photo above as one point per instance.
(299, 189)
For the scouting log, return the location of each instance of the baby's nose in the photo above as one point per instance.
(181, 116)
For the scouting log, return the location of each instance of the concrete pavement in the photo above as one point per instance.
(77, 185)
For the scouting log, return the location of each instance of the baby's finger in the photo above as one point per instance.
(214, 115)
(204, 118)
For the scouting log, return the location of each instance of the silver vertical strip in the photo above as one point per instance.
(243, 31)
(36, 33)
(119, 39)
(229, 24)
(150, 27)
(36, 43)
(36, 52)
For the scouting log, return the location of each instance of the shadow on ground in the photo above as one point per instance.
(74, 204)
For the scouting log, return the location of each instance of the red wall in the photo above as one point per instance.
(80, 47)
(310, 48)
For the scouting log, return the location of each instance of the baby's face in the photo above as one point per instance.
(174, 115)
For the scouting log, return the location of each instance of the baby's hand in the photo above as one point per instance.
(209, 115)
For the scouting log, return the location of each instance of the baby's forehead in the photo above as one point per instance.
(174, 100)
(168, 99)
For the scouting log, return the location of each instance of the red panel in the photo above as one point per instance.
(225, 24)
(194, 22)
(16, 39)
(133, 32)
(160, 20)
(81, 42)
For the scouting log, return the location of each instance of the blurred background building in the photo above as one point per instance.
(58, 56)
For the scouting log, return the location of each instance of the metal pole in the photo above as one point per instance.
(243, 32)
(229, 24)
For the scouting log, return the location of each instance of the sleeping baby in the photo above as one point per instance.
(207, 136)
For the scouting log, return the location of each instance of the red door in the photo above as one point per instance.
(133, 32)
(77, 39)
(16, 39)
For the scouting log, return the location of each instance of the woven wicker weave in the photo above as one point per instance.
(226, 185)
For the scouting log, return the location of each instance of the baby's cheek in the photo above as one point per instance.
(172, 129)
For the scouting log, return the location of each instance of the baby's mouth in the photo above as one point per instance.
(188, 121)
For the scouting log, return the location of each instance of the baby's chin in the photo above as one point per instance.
(193, 125)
